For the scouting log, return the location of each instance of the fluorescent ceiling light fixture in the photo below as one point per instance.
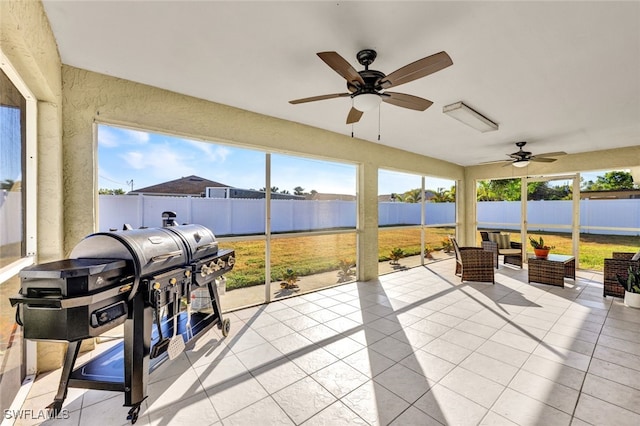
(366, 101)
(520, 163)
(470, 117)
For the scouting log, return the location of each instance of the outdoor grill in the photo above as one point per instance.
(142, 278)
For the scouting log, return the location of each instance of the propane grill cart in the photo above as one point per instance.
(139, 278)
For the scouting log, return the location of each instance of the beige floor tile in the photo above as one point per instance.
(227, 369)
(369, 362)
(236, 394)
(391, 348)
(342, 347)
(449, 407)
(612, 392)
(617, 357)
(375, 404)
(312, 359)
(598, 412)
(413, 416)
(195, 409)
(555, 371)
(544, 390)
(404, 382)
(571, 343)
(563, 356)
(503, 353)
(516, 341)
(303, 399)
(416, 339)
(489, 368)
(259, 356)
(615, 373)
(472, 386)
(462, 338)
(278, 375)
(337, 414)
(526, 411)
(265, 411)
(446, 350)
(339, 378)
(493, 419)
(476, 329)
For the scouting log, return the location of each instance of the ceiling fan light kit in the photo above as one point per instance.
(470, 117)
(520, 163)
(366, 101)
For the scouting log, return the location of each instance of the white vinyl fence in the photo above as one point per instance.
(615, 217)
(246, 216)
(233, 216)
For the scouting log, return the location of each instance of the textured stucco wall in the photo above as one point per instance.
(90, 97)
(28, 43)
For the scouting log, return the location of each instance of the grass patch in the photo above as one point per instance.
(311, 255)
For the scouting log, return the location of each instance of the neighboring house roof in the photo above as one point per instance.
(190, 185)
(608, 195)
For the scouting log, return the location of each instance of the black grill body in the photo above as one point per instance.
(137, 277)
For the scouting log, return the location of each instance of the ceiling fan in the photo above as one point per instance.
(368, 87)
(522, 158)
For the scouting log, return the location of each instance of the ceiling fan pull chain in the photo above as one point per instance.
(352, 130)
(379, 109)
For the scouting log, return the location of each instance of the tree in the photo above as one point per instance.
(611, 181)
(298, 190)
(410, 196)
(7, 184)
(444, 196)
(104, 191)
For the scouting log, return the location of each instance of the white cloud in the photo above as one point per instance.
(113, 137)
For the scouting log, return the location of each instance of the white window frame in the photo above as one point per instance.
(29, 187)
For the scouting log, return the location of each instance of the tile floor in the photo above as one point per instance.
(414, 348)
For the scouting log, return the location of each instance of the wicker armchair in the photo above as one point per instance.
(473, 263)
(512, 255)
(617, 265)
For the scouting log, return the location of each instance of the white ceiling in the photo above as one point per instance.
(564, 76)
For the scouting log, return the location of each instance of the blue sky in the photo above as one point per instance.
(147, 159)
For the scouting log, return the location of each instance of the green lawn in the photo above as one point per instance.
(310, 255)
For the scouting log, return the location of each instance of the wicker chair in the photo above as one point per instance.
(617, 265)
(512, 255)
(473, 263)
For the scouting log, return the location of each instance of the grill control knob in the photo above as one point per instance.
(221, 264)
(231, 261)
(206, 270)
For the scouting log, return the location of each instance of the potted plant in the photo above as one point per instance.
(447, 247)
(631, 286)
(428, 250)
(345, 273)
(540, 248)
(290, 277)
(396, 254)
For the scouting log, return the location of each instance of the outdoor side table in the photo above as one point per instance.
(552, 270)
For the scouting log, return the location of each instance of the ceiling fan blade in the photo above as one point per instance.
(406, 101)
(542, 159)
(415, 70)
(551, 154)
(354, 116)
(320, 98)
(342, 67)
